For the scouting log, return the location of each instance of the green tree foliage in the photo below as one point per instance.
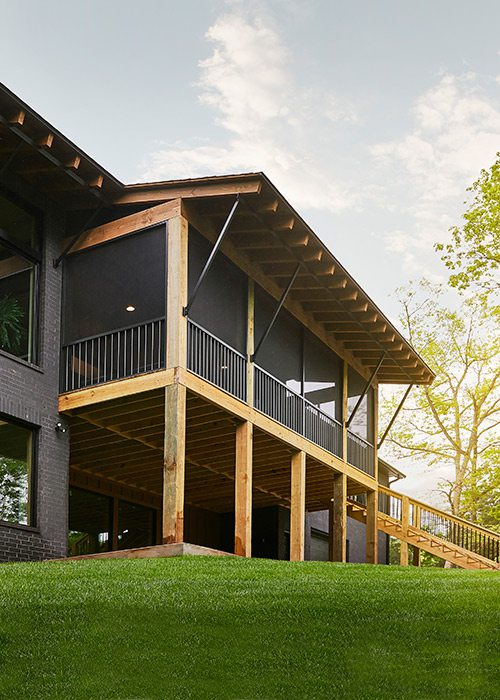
(473, 255)
(11, 329)
(456, 420)
(13, 490)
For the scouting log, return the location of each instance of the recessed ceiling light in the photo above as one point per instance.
(130, 308)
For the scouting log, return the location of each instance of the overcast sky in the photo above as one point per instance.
(371, 117)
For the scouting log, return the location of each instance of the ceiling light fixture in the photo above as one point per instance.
(130, 307)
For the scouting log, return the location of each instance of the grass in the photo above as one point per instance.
(197, 627)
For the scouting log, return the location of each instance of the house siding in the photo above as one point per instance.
(30, 394)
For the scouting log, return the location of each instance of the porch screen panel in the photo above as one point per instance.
(102, 282)
(221, 304)
(364, 420)
(322, 376)
(281, 352)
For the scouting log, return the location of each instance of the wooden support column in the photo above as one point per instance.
(174, 464)
(345, 398)
(250, 339)
(416, 550)
(298, 506)
(371, 527)
(243, 490)
(177, 287)
(338, 519)
(375, 431)
(405, 521)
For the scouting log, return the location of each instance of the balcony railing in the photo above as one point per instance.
(126, 352)
(277, 401)
(218, 363)
(360, 453)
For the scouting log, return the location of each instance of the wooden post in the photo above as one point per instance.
(416, 550)
(371, 527)
(338, 519)
(174, 464)
(250, 339)
(298, 506)
(177, 288)
(345, 398)
(243, 491)
(375, 431)
(405, 521)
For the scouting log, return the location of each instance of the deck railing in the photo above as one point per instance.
(284, 405)
(126, 352)
(360, 453)
(440, 524)
(217, 362)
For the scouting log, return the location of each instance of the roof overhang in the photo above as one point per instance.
(32, 149)
(269, 236)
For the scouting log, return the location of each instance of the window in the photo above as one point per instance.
(90, 518)
(16, 473)
(19, 271)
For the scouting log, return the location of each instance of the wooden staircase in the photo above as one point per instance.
(453, 539)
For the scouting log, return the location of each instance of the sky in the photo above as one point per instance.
(371, 118)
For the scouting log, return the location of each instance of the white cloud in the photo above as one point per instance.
(456, 132)
(248, 83)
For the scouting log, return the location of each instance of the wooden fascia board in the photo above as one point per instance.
(142, 194)
(128, 224)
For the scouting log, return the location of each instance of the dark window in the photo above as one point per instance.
(16, 473)
(136, 525)
(19, 263)
(221, 303)
(322, 376)
(90, 517)
(116, 285)
(281, 352)
(363, 423)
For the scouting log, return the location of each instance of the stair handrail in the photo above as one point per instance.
(442, 513)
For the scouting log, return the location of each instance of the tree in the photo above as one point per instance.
(456, 420)
(473, 255)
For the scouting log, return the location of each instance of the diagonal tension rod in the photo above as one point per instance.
(278, 309)
(211, 257)
(365, 390)
(396, 414)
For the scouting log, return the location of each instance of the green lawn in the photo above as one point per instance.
(197, 627)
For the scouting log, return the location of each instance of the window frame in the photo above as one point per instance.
(35, 257)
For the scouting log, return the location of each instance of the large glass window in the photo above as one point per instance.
(19, 263)
(136, 525)
(16, 465)
(90, 518)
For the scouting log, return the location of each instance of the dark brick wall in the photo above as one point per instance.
(30, 394)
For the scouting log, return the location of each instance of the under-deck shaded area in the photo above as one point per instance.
(116, 468)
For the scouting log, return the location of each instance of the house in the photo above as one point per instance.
(186, 361)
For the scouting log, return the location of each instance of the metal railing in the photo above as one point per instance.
(284, 405)
(217, 362)
(360, 453)
(122, 353)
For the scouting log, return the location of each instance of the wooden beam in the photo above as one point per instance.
(338, 519)
(177, 292)
(405, 521)
(174, 462)
(297, 506)
(135, 194)
(115, 390)
(127, 224)
(371, 527)
(243, 490)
